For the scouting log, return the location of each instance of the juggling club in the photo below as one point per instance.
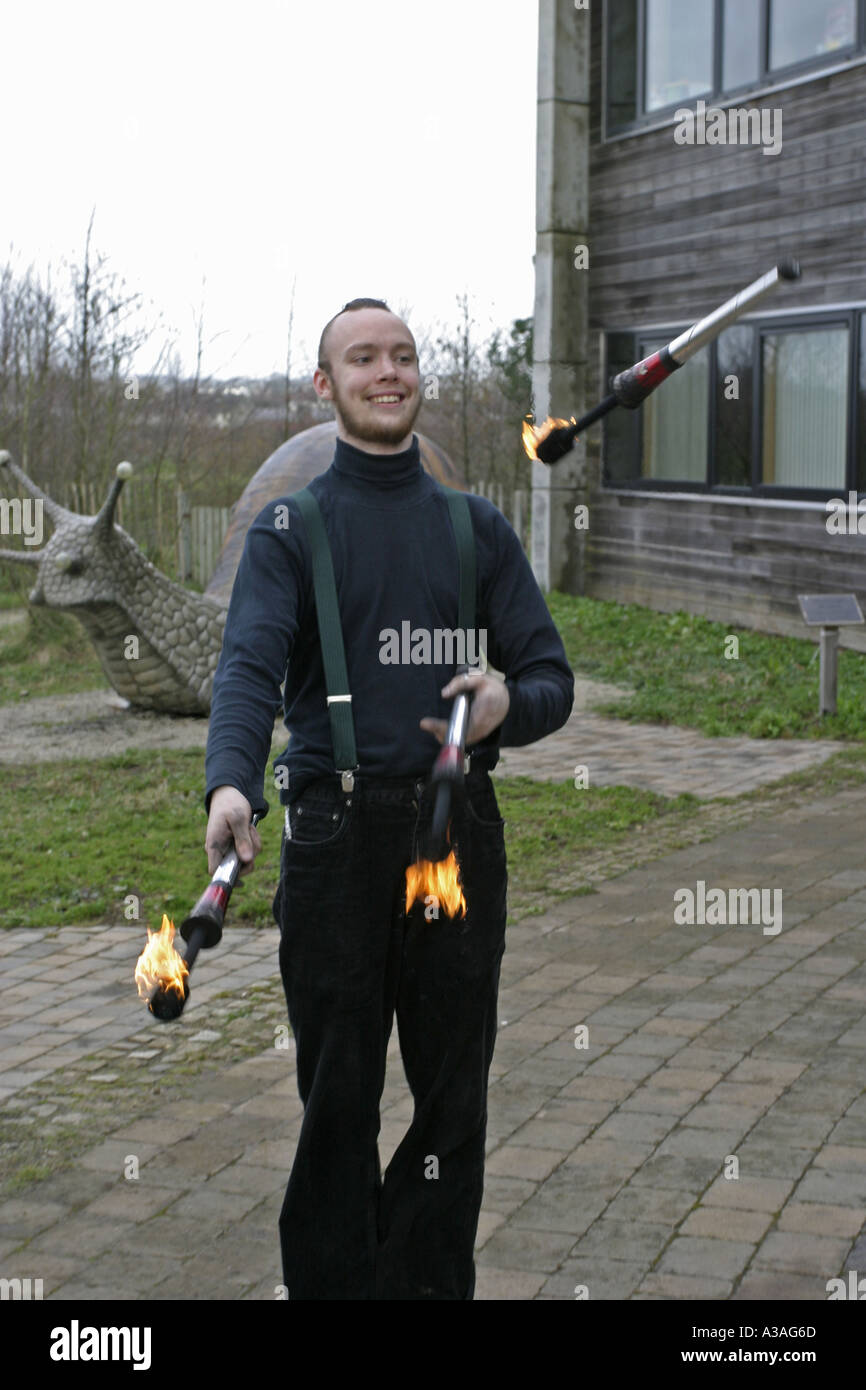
(631, 387)
(447, 776)
(204, 925)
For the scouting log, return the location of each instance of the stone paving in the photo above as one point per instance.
(669, 760)
(708, 1141)
(42, 1025)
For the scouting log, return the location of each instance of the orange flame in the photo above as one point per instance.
(160, 966)
(439, 881)
(533, 434)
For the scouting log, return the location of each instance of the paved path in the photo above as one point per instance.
(709, 1142)
(666, 760)
(47, 974)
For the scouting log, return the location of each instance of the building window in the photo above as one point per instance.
(674, 444)
(621, 427)
(804, 29)
(741, 43)
(733, 405)
(662, 54)
(805, 408)
(766, 408)
(622, 107)
(860, 425)
(679, 51)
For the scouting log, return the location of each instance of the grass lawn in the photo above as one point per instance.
(677, 666)
(46, 653)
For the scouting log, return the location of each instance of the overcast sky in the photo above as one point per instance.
(382, 149)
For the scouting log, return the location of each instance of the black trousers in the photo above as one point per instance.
(350, 956)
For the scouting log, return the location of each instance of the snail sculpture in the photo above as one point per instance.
(159, 643)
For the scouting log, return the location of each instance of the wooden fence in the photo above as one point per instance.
(200, 532)
(495, 493)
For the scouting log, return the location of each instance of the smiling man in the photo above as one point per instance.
(376, 388)
(351, 956)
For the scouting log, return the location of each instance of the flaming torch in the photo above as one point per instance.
(162, 972)
(440, 880)
(436, 872)
(552, 440)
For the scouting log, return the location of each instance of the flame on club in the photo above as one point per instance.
(533, 434)
(160, 966)
(441, 881)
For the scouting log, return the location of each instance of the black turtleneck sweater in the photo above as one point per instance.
(395, 562)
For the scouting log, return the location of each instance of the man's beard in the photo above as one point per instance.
(375, 431)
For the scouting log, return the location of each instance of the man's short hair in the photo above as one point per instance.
(324, 362)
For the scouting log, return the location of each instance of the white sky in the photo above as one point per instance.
(382, 149)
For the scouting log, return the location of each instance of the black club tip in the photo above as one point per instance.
(433, 843)
(433, 848)
(555, 445)
(789, 269)
(167, 1005)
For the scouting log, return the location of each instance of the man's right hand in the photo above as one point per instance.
(229, 824)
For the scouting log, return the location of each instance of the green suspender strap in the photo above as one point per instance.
(331, 639)
(328, 615)
(465, 537)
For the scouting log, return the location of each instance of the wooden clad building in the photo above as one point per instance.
(725, 135)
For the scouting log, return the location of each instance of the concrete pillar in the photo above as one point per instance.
(561, 290)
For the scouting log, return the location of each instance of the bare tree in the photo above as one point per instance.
(287, 425)
(104, 337)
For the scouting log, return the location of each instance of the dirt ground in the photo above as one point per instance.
(92, 724)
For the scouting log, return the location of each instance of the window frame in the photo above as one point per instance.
(802, 323)
(850, 316)
(767, 78)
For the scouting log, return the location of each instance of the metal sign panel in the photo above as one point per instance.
(829, 610)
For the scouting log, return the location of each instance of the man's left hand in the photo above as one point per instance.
(490, 701)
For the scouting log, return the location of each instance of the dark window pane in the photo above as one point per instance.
(679, 50)
(675, 422)
(805, 407)
(861, 411)
(734, 406)
(803, 29)
(621, 427)
(742, 43)
(621, 63)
